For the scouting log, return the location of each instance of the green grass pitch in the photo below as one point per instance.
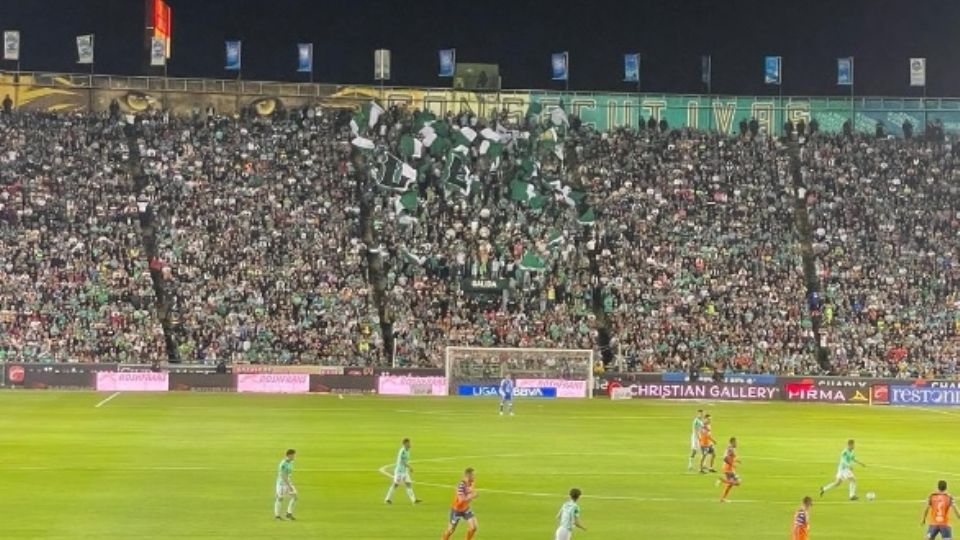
(184, 465)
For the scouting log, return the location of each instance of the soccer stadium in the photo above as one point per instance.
(370, 270)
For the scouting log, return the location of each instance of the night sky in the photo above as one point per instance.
(520, 35)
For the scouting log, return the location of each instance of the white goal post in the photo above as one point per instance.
(569, 371)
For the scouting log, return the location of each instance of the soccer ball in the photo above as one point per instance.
(871, 495)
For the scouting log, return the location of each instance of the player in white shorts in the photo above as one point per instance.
(401, 474)
(569, 517)
(845, 472)
(695, 438)
(285, 486)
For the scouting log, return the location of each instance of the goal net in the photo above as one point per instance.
(566, 373)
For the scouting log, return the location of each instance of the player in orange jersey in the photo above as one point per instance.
(460, 509)
(730, 478)
(707, 445)
(938, 508)
(801, 520)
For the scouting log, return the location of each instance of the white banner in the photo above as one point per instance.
(381, 65)
(85, 49)
(11, 45)
(918, 72)
(158, 51)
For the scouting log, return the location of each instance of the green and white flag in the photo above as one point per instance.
(571, 196)
(363, 143)
(531, 262)
(587, 218)
(365, 118)
(555, 238)
(423, 119)
(491, 135)
(455, 173)
(521, 191)
(411, 257)
(406, 203)
(396, 175)
(410, 147)
(558, 116)
(492, 149)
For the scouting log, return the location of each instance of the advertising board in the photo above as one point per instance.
(343, 384)
(709, 391)
(494, 391)
(113, 381)
(202, 382)
(273, 383)
(404, 385)
(565, 388)
(924, 396)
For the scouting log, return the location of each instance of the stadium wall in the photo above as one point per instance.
(432, 382)
(604, 111)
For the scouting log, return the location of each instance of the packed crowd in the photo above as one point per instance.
(886, 227)
(74, 284)
(666, 249)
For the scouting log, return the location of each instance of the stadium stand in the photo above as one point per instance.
(297, 238)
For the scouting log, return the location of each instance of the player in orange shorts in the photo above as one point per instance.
(801, 520)
(460, 509)
(707, 445)
(730, 478)
(938, 508)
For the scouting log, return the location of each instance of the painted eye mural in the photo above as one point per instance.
(139, 102)
(266, 106)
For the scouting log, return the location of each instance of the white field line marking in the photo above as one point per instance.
(385, 471)
(940, 411)
(107, 400)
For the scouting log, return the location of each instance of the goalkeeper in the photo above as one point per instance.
(506, 394)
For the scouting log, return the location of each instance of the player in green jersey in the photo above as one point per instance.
(695, 438)
(569, 517)
(285, 486)
(845, 471)
(401, 474)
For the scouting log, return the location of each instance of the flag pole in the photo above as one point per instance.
(16, 84)
(853, 101)
(709, 92)
(90, 103)
(783, 111)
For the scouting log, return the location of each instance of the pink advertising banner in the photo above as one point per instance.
(274, 383)
(394, 385)
(113, 381)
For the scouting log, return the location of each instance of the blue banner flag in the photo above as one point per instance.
(706, 68)
(560, 66)
(448, 62)
(233, 56)
(845, 71)
(305, 57)
(631, 67)
(771, 70)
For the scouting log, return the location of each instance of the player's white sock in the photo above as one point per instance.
(276, 507)
(413, 497)
(829, 486)
(293, 501)
(390, 492)
(853, 488)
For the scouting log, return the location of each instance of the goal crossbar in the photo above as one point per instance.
(503, 356)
